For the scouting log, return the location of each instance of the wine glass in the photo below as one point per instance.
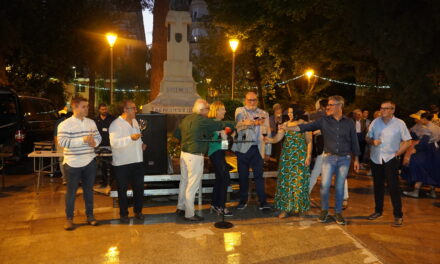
(264, 131)
(142, 124)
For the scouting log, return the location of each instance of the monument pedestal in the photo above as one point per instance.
(177, 89)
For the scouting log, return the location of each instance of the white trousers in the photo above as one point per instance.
(191, 171)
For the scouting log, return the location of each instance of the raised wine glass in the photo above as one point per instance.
(264, 131)
(142, 124)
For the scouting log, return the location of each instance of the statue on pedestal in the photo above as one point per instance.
(179, 5)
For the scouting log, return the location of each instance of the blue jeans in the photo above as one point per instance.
(317, 168)
(339, 165)
(87, 176)
(315, 172)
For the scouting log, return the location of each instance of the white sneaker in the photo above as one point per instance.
(413, 194)
(432, 194)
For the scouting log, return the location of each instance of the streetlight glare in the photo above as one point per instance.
(233, 43)
(310, 73)
(111, 38)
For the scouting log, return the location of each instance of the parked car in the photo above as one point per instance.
(23, 121)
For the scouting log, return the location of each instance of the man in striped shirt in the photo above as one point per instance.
(79, 136)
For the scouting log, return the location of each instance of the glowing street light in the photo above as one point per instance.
(233, 43)
(111, 38)
(310, 73)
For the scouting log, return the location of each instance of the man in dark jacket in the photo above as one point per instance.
(103, 121)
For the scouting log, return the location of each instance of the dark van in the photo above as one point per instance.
(23, 121)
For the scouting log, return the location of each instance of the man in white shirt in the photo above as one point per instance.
(389, 138)
(127, 149)
(79, 136)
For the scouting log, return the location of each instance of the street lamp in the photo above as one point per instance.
(111, 38)
(309, 73)
(233, 43)
(74, 72)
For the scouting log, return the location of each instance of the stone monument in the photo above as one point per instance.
(177, 89)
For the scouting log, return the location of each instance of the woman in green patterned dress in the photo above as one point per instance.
(292, 194)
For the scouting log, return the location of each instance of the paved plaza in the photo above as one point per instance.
(31, 231)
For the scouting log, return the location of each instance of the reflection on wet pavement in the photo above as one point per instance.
(31, 232)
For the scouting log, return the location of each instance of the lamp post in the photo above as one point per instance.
(74, 72)
(233, 43)
(111, 38)
(309, 73)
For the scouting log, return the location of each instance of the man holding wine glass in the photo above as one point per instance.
(127, 149)
(252, 152)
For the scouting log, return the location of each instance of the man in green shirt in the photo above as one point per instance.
(193, 133)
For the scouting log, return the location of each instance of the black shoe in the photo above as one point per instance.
(139, 216)
(124, 220)
(180, 212)
(241, 205)
(92, 221)
(194, 218)
(398, 222)
(339, 219)
(227, 213)
(265, 206)
(374, 216)
(323, 216)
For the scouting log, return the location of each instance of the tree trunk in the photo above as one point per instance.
(159, 47)
(257, 77)
(3, 76)
(92, 81)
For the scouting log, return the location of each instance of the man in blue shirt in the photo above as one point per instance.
(389, 138)
(340, 144)
(251, 154)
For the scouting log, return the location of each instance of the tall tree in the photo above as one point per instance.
(159, 47)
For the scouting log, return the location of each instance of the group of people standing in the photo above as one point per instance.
(421, 161)
(386, 137)
(334, 137)
(79, 136)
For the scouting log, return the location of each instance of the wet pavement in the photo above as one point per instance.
(31, 231)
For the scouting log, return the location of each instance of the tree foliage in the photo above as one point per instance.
(377, 42)
(44, 39)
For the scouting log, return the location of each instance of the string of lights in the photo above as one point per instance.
(325, 79)
(284, 82)
(116, 90)
(353, 84)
